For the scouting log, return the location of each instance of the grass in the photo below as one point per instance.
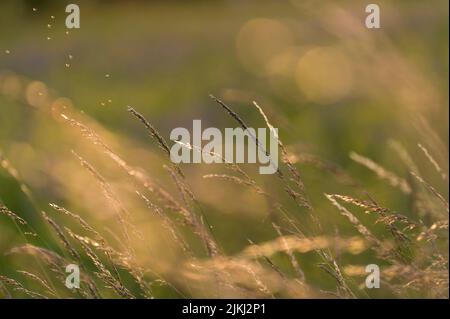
(86, 179)
(411, 249)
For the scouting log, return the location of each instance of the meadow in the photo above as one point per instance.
(86, 178)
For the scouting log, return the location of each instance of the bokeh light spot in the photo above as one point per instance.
(324, 75)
